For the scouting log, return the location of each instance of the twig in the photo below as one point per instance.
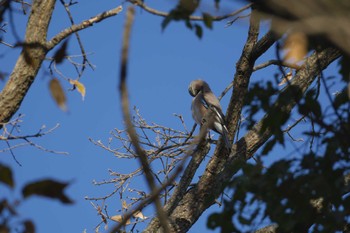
(276, 62)
(152, 196)
(229, 23)
(13, 155)
(85, 60)
(7, 44)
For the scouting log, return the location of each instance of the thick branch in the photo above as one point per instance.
(29, 61)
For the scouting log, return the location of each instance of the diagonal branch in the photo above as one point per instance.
(29, 61)
(35, 48)
(211, 184)
(129, 125)
(85, 24)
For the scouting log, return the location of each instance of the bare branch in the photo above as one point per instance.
(141, 4)
(152, 197)
(85, 60)
(277, 63)
(86, 23)
(7, 44)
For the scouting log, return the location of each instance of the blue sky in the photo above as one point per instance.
(161, 66)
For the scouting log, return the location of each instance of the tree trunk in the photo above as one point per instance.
(29, 62)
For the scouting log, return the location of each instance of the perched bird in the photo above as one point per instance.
(203, 101)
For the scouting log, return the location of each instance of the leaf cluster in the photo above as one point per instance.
(305, 192)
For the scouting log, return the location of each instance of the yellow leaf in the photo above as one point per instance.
(139, 214)
(295, 46)
(80, 87)
(57, 93)
(119, 218)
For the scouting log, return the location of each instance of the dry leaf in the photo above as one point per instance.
(119, 218)
(139, 214)
(80, 87)
(58, 93)
(285, 79)
(295, 46)
(61, 53)
(124, 205)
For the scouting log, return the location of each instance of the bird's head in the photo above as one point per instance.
(196, 86)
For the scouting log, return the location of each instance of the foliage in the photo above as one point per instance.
(307, 190)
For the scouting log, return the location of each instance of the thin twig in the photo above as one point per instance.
(153, 11)
(85, 60)
(276, 62)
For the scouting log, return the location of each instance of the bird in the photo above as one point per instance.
(204, 100)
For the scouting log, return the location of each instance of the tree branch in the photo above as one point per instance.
(211, 184)
(85, 24)
(277, 63)
(141, 4)
(247, 146)
(29, 61)
(129, 126)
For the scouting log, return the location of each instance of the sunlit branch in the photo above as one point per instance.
(277, 63)
(85, 24)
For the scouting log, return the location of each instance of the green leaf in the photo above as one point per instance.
(208, 20)
(6, 175)
(47, 188)
(199, 31)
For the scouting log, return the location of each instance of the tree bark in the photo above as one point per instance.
(29, 62)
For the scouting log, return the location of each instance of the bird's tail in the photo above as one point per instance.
(225, 137)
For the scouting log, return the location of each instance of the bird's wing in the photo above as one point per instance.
(210, 101)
